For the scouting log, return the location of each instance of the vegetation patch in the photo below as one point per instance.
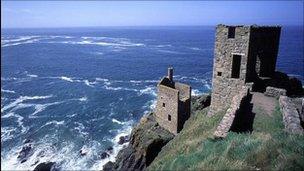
(267, 147)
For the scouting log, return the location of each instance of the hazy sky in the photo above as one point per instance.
(141, 13)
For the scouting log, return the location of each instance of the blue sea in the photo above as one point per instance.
(73, 89)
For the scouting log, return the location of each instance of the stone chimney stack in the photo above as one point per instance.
(170, 73)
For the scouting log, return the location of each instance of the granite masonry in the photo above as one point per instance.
(173, 103)
(243, 54)
(226, 123)
(275, 92)
(291, 116)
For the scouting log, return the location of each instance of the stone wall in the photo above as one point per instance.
(224, 88)
(226, 123)
(291, 118)
(167, 106)
(274, 92)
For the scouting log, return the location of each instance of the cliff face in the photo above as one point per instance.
(146, 141)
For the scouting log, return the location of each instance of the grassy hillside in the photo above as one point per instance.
(267, 147)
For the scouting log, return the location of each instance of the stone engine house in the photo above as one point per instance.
(173, 103)
(242, 55)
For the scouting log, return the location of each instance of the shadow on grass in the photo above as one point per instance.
(244, 117)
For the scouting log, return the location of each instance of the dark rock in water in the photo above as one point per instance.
(27, 141)
(108, 166)
(24, 160)
(83, 152)
(45, 166)
(25, 152)
(35, 163)
(110, 149)
(104, 155)
(41, 154)
(123, 139)
(146, 141)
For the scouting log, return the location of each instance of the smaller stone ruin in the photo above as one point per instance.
(173, 103)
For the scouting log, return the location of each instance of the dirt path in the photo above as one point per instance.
(262, 102)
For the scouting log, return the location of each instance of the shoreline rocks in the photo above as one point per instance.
(146, 141)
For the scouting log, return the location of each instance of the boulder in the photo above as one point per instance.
(123, 139)
(110, 149)
(25, 152)
(45, 166)
(104, 155)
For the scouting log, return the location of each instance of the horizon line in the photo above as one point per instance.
(144, 26)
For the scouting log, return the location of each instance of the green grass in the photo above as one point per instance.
(268, 147)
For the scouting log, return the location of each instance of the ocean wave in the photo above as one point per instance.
(20, 43)
(83, 99)
(195, 92)
(7, 91)
(119, 88)
(41, 107)
(161, 46)
(125, 131)
(80, 129)
(21, 99)
(170, 51)
(117, 121)
(19, 120)
(66, 78)
(7, 133)
(148, 90)
(32, 75)
(195, 48)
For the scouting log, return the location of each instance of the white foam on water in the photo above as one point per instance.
(21, 99)
(80, 129)
(119, 88)
(117, 121)
(195, 48)
(32, 75)
(7, 133)
(66, 78)
(170, 51)
(19, 120)
(161, 46)
(150, 106)
(42, 107)
(54, 122)
(7, 91)
(125, 131)
(88, 83)
(82, 99)
(195, 92)
(148, 90)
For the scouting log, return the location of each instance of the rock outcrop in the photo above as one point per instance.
(200, 102)
(146, 141)
(46, 166)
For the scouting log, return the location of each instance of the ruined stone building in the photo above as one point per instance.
(242, 55)
(173, 103)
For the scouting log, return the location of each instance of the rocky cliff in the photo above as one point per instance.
(146, 141)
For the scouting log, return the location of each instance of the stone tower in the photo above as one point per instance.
(173, 103)
(242, 55)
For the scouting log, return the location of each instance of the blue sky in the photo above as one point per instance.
(22, 14)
